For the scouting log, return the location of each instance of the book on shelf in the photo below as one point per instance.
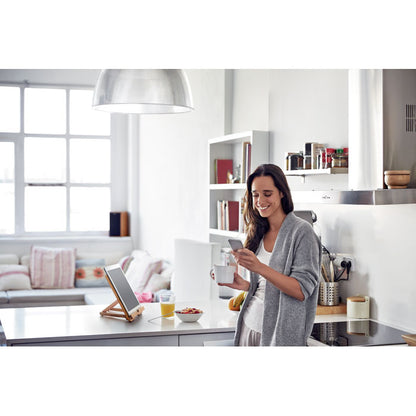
(246, 161)
(241, 225)
(223, 168)
(228, 215)
(219, 215)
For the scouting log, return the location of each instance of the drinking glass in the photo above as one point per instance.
(167, 304)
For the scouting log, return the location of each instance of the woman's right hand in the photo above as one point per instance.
(239, 283)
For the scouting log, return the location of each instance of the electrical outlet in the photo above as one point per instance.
(340, 257)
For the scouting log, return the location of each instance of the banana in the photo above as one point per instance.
(239, 299)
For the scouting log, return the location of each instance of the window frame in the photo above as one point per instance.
(117, 176)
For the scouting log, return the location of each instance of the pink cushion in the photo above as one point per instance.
(145, 297)
(52, 268)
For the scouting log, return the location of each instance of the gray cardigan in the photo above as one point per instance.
(296, 253)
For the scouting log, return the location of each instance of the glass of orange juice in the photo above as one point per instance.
(167, 304)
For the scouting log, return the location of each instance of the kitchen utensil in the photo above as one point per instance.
(324, 275)
(325, 265)
(329, 293)
(331, 270)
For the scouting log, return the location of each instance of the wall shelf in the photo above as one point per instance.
(227, 186)
(228, 234)
(312, 172)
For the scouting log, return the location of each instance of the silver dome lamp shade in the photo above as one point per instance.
(143, 91)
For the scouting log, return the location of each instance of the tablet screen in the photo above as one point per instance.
(122, 287)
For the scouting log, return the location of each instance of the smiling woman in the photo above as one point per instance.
(271, 182)
(283, 255)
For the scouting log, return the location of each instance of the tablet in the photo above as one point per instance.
(121, 288)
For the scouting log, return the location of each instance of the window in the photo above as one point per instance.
(55, 161)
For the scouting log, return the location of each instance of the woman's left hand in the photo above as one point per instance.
(247, 259)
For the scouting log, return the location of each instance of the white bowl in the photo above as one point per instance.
(188, 317)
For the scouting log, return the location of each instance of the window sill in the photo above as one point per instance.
(67, 239)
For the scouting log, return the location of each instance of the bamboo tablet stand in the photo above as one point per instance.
(120, 312)
(112, 311)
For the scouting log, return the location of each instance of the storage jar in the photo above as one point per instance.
(358, 307)
(339, 160)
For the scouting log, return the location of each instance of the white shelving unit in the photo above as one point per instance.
(231, 147)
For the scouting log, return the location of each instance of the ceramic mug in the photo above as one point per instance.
(224, 274)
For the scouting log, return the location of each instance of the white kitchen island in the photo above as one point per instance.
(82, 325)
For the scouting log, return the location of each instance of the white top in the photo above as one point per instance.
(253, 316)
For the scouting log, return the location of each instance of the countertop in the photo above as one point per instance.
(84, 322)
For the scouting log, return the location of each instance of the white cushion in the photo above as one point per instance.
(9, 259)
(25, 260)
(141, 268)
(14, 277)
(157, 282)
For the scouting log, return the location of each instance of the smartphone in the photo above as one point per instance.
(235, 244)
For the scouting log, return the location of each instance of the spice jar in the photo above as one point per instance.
(329, 153)
(296, 161)
(300, 160)
(346, 156)
(287, 159)
(307, 162)
(339, 160)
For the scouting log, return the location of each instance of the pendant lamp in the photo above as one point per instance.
(143, 91)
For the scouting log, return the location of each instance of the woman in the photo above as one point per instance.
(283, 255)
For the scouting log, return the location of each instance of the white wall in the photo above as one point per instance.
(173, 167)
(313, 104)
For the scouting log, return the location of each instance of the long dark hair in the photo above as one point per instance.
(256, 225)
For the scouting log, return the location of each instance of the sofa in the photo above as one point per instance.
(49, 276)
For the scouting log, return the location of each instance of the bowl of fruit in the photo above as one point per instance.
(189, 314)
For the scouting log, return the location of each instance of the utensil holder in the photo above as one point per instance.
(329, 293)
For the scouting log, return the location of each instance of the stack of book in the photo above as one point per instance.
(230, 215)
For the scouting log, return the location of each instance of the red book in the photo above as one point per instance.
(223, 166)
(233, 215)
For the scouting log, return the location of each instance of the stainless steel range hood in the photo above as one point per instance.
(380, 137)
